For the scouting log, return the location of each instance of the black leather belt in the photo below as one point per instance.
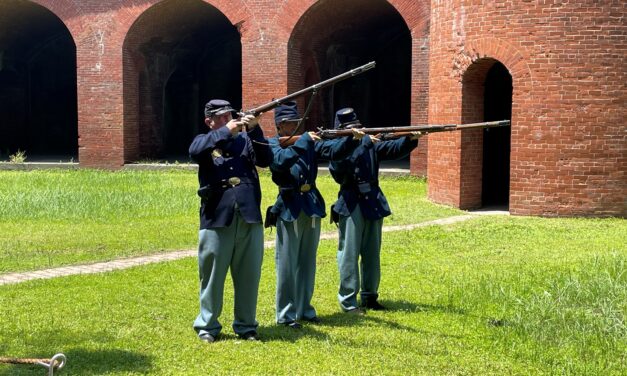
(303, 188)
(234, 181)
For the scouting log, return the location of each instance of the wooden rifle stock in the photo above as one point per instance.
(396, 132)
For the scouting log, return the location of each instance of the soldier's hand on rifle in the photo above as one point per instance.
(357, 134)
(249, 121)
(417, 134)
(314, 136)
(376, 138)
(235, 126)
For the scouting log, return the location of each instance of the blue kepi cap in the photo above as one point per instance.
(287, 111)
(217, 107)
(345, 117)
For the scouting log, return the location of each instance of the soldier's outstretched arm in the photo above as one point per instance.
(395, 149)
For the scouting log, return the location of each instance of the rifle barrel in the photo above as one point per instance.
(416, 128)
(276, 102)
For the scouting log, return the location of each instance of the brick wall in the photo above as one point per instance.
(568, 71)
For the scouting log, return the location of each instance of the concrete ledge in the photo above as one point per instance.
(38, 166)
(27, 166)
(161, 166)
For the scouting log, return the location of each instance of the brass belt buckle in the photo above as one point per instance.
(305, 188)
(234, 181)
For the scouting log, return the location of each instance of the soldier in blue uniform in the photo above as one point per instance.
(231, 233)
(359, 212)
(297, 212)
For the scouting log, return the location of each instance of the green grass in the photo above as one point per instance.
(491, 296)
(50, 218)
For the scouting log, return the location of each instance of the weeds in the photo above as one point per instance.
(18, 157)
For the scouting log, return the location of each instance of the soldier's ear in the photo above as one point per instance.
(208, 122)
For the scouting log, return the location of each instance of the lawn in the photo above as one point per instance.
(494, 295)
(490, 296)
(51, 218)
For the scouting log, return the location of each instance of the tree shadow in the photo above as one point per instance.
(90, 362)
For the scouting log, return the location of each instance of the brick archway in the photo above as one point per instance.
(415, 13)
(478, 104)
(170, 70)
(38, 100)
(479, 55)
(64, 9)
(416, 17)
(107, 126)
(454, 164)
(514, 59)
(329, 40)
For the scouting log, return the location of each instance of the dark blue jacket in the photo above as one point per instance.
(296, 165)
(221, 156)
(358, 176)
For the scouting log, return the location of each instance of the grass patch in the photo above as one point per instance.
(50, 218)
(502, 295)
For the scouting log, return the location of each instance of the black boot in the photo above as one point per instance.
(373, 304)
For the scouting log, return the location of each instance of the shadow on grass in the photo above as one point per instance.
(282, 333)
(341, 319)
(285, 334)
(405, 306)
(89, 362)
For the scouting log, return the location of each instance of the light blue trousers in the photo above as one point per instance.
(358, 237)
(240, 248)
(296, 246)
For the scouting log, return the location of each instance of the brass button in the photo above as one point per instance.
(305, 188)
(234, 181)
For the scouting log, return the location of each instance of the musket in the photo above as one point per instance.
(394, 132)
(311, 89)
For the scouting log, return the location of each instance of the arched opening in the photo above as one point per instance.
(330, 39)
(38, 105)
(496, 141)
(485, 153)
(178, 55)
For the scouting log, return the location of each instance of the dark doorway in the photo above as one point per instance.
(188, 53)
(38, 101)
(331, 39)
(496, 141)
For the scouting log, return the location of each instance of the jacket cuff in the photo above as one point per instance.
(223, 133)
(256, 133)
